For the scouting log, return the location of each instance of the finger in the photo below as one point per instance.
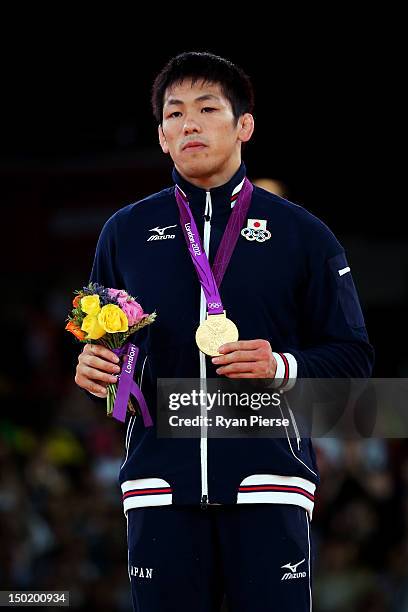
(101, 351)
(96, 389)
(236, 367)
(242, 375)
(92, 375)
(256, 369)
(100, 364)
(251, 355)
(240, 345)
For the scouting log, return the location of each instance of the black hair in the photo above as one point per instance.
(235, 84)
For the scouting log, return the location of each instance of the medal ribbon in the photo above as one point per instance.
(210, 279)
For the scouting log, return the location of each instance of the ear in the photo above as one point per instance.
(162, 140)
(246, 127)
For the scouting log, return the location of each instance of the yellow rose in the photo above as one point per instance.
(112, 319)
(90, 304)
(91, 326)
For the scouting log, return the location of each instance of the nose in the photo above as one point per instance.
(190, 126)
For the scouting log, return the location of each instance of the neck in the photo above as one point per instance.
(212, 180)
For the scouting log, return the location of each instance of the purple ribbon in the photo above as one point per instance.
(210, 279)
(128, 387)
(232, 232)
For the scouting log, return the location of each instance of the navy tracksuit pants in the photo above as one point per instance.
(185, 558)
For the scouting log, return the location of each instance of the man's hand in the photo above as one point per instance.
(96, 368)
(246, 359)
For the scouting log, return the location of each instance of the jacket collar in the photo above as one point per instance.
(221, 197)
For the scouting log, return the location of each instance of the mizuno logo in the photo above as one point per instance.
(293, 567)
(160, 230)
(160, 233)
(293, 573)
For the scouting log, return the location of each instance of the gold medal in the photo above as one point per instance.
(215, 331)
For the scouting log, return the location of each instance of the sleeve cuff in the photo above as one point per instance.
(286, 371)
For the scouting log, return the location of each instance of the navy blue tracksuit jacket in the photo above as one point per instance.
(294, 289)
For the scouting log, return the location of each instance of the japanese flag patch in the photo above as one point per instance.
(256, 230)
(256, 224)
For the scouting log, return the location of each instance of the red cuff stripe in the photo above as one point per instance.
(286, 375)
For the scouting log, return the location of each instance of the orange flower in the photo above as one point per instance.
(76, 301)
(74, 329)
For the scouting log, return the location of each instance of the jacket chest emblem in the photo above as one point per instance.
(162, 233)
(256, 230)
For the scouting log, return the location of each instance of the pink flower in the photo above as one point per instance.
(117, 293)
(132, 310)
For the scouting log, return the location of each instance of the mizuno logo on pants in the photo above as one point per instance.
(293, 573)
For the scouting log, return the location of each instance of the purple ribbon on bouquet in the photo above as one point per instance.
(128, 387)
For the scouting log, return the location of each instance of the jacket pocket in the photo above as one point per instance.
(287, 413)
(132, 419)
(140, 378)
(295, 428)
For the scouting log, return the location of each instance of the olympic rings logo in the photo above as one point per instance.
(214, 305)
(258, 235)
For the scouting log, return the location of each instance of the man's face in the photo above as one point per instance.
(199, 130)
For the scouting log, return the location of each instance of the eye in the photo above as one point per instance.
(174, 115)
(208, 109)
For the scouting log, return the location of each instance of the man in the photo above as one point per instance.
(208, 516)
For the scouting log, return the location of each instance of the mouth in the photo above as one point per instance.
(194, 146)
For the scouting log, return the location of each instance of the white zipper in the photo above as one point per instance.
(203, 367)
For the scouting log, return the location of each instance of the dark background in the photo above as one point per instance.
(79, 141)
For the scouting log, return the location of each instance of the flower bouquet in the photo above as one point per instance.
(108, 317)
